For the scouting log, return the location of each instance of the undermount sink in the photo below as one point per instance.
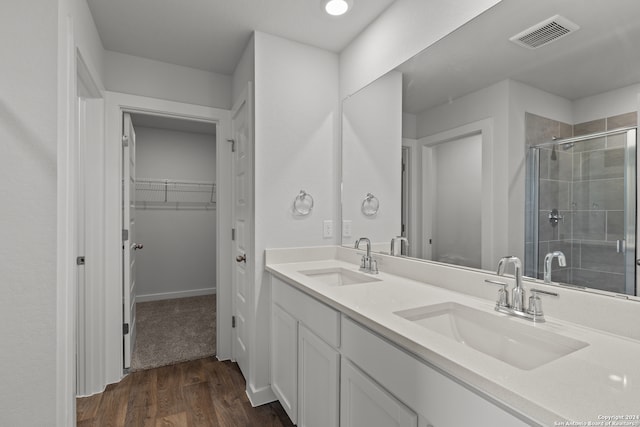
(522, 346)
(339, 276)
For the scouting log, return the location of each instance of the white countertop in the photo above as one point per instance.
(599, 381)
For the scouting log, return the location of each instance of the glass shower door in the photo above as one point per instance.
(585, 200)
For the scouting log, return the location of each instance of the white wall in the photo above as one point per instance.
(146, 77)
(296, 129)
(87, 40)
(178, 258)
(244, 71)
(28, 131)
(404, 29)
(371, 142)
(606, 104)
(409, 126)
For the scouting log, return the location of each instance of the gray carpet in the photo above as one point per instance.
(175, 330)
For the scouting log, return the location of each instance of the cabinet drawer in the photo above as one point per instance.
(316, 316)
(425, 390)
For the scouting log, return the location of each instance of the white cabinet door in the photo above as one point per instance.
(363, 403)
(284, 360)
(318, 381)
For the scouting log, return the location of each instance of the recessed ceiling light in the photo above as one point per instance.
(336, 7)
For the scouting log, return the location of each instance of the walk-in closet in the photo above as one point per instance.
(175, 217)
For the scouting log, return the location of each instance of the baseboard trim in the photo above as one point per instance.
(260, 396)
(178, 294)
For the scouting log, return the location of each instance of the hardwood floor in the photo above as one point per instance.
(203, 392)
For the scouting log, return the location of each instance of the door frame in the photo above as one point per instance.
(115, 105)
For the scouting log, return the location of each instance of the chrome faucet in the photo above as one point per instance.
(393, 244)
(548, 259)
(517, 297)
(367, 264)
(516, 308)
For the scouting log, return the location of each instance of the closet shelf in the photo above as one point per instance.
(171, 193)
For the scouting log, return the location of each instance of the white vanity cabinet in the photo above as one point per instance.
(329, 370)
(305, 335)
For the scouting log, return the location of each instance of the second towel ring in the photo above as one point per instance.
(303, 203)
(370, 205)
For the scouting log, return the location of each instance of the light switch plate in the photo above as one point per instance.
(346, 228)
(327, 228)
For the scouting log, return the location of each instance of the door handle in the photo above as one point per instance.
(242, 258)
(137, 246)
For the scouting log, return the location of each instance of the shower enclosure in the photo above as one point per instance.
(581, 200)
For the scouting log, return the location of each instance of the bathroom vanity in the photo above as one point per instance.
(420, 344)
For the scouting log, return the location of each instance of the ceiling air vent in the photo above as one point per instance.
(545, 32)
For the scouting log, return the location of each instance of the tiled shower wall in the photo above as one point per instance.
(585, 182)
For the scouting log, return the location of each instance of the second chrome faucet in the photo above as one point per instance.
(367, 263)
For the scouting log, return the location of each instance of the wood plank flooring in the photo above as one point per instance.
(200, 393)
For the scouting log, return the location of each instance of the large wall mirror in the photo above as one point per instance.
(515, 134)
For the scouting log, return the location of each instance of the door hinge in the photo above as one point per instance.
(80, 260)
(404, 167)
(233, 145)
(233, 321)
(125, 328)
(125, 141)
(125, 235)
(233, 234)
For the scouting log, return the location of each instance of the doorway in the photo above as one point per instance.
(114, 332)
(171, 250)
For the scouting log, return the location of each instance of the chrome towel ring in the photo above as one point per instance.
(303, 203)
(370, 205)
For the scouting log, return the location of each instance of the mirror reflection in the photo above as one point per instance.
(514, 134)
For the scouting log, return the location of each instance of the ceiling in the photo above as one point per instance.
(212, 34)
(601, 56)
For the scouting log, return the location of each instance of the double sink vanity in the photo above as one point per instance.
(423, 344)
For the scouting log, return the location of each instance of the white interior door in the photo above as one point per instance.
(241, 217)
(129, 245)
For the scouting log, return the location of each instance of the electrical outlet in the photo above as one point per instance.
(327, 228)
(346, 228)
